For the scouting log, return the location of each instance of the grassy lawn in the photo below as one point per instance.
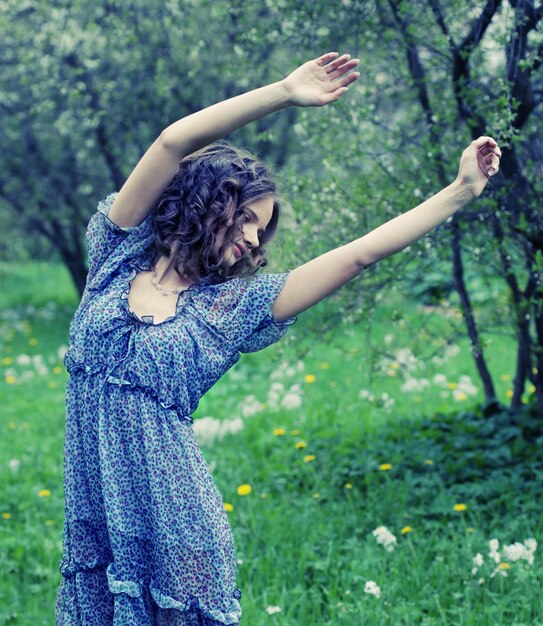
(332, 450)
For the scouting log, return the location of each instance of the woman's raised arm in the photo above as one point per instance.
(313, 281)
(315, 83)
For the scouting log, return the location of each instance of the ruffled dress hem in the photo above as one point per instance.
(69, 568)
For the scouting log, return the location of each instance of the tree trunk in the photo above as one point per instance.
(467, 312)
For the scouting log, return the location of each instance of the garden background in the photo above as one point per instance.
(369, 461)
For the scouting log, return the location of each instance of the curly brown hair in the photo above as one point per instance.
(209, 191)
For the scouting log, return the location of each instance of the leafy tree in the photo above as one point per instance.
(86, 87)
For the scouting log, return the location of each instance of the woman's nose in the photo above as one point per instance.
(251, 237)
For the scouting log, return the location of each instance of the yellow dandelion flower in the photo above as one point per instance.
(52, 384)
(7, 360)
(428, 462)
(57, 370)
(316, 495)
(12, 425)
(509, 393)
(460, 507)
(395, 365)
(534, 370)
(310, 378)
(44, 493)
(384, 467)
(32, 341)
(452, 385)
(461, 396)
(504, 565)
(405, 530)
(309, 457)
(470, 530)
(10, 380)
(25, 425)
(228, 507)
(348, 486)
(279, 431)
(531, 388)
(244, 490)
(6, 515)
(49, 522)
(294, 432)
(300, 444)
(325, 365)
(505, 377)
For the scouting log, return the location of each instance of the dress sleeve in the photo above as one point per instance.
(108, 244)
(241, 311)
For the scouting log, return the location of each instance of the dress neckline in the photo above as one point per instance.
(138, 266)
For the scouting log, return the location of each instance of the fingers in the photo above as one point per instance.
(334, 65)
(481, 141)
(488, 155)
(326, 58)
(342, 70)
(346, 81)
(493, 165)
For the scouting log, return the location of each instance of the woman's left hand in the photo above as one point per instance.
(480, 160)
(316, 83)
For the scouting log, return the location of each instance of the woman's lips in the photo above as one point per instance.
(238, 251)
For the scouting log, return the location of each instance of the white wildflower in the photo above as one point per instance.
(465, 385)
(440, 379)
(451, 350)
(274, 395)
(531, 545)
(494, 546)
(413, 384)
(14, 464)
(477, 563)
(273, 609)
(517, 551)
(291, 401)
(250, 406)
(387, 400)
(208, 429)
(514, 552)
(23, 359)
(372, 588)
(385, 538)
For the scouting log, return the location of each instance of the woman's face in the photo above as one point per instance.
(257, 216)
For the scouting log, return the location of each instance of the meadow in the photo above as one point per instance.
(392, 498)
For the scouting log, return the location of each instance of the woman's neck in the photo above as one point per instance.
(167, 274)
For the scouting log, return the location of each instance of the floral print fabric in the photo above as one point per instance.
(146, 538)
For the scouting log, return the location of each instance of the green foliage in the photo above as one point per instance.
(304, 535)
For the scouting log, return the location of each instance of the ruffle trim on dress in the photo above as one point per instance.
(134, 589)
(73, 366)
(137, 266)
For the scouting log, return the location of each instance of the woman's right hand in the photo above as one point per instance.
(316, 83)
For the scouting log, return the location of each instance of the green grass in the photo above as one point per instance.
(304, 534)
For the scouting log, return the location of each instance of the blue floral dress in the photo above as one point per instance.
(146, 538)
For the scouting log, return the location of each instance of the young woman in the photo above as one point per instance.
(167, 310)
